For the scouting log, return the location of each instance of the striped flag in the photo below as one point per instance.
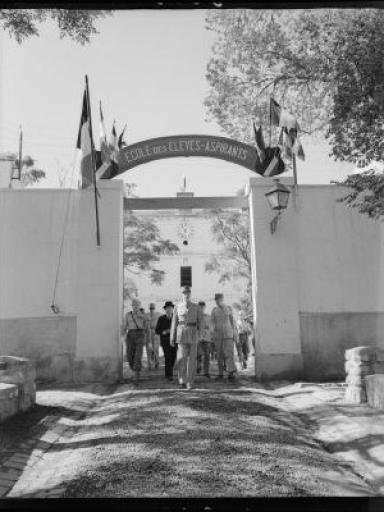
(281, 117)
(85, 144)
(290, 143)
(120, 142)
(259, 143)
(102, 132)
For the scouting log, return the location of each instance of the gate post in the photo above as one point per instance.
(275, 285)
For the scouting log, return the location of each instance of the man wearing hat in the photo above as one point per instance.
(204, 346)
(154, 341)
(224, 335)
(163, 329)
(136, 328)
(185, 331)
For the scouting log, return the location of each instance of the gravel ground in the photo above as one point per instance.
(158, 441)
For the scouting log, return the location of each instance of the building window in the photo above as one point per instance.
(185, 276)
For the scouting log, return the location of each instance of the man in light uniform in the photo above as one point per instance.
(136, 329)
(224, 336)
(185, 331)
(154, 341)
(204, 346)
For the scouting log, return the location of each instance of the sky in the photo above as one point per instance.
(148, 68)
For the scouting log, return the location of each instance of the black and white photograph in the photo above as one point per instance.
(192, 254)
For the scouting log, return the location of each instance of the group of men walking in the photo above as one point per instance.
(187, 335)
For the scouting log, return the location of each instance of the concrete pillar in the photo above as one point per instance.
(275, 285)
(100, 285)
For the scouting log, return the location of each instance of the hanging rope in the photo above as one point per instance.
(54, 307)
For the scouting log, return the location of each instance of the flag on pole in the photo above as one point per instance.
(85, 144)
(113, 141)
(289, 141)
(120, 142)
(259, 142)
(281, 117)
(102, 131)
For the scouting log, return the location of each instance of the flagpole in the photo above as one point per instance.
(93, 165)
(294, 169)
(20, 152)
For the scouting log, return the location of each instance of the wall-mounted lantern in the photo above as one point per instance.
(278, 197)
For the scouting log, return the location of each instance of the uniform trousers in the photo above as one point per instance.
(203, 356)
(170, 354)
(135, 342)
(155, 342)
(242, 347)
(186, 362)
(225, 355)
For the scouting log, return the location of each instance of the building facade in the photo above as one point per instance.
(191, 231)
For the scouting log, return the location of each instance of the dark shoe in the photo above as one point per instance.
(156, 365)
(207, 375)
(219, 377)
(244, 365)
(198, 371)
(168, 377)
(183, 386)
(231, 376)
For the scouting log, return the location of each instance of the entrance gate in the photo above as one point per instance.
(275, 313)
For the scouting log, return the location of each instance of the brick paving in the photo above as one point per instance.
(21, 464)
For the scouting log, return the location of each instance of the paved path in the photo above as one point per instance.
(219, 439)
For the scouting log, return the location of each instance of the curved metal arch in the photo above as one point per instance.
(186, 146)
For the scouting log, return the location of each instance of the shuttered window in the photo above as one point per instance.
(185, 276)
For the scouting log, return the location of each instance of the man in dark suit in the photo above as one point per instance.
(163, 329)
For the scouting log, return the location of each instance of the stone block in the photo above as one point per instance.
(359, 354)
(375, 391)
(9, 400)
(22, 373)
(354, 365)
(355, 394)
(378, 367)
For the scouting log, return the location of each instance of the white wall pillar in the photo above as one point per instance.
(275, 285)
(100, 285)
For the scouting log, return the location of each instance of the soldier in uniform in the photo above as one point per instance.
(136, 329)
(154, 341)
(163, 329)
(204, 346)
(224, 336)
(185, 330)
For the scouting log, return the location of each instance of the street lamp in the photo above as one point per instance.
(277, 198)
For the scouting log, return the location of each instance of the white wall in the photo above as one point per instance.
(317, 277)
(83, 341)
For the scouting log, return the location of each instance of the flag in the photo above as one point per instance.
(286, 142)
(297, 148)
(290, 143)
(113, 141)
(281, 117)
(102, 132)
(85, 144)
(272, 164)
(121, 142)
(259, 142)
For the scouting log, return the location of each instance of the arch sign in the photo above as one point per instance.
(186, 146)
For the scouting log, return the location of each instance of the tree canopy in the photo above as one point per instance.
(29, 172)
(231, 231)
(325, 65)
(143, 246)
(77, 24)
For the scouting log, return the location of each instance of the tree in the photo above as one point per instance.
(143, 246)
(78, 24)
(29, 172)
(366, 193)
(233, 262)
(326, 66)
